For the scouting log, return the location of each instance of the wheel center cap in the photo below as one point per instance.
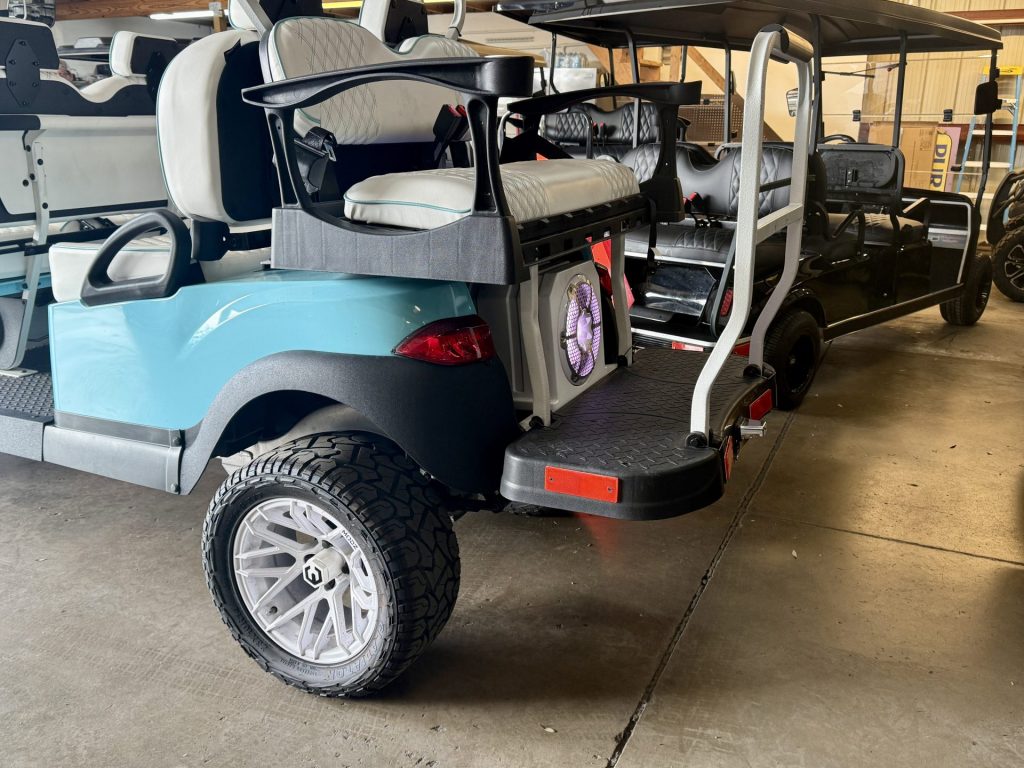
(323, 568)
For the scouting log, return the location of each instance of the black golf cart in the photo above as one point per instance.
(874, 247)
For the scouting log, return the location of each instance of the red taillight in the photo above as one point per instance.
(743, 350)
(760, 407)
(456, 341)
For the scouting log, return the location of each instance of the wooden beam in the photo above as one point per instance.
(719, 80)
(994, 18)
(75, 10)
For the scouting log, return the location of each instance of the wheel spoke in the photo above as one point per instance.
(262, 552)
(289, 545)
(306, 625)
(272, 572)
(278, 586)
(311, 599)
(306, 520)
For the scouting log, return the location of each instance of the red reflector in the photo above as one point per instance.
(728, 458)
(686, 347)
(456, 341)
(743, 350)
(726, 302)
(582, 484)
(761, 407)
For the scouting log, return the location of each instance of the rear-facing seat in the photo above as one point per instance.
(401, 114)
(707, 238)
(30, 84)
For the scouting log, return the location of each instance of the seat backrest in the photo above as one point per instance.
(214, 148)
(30, 82)
(614, 126)
(864, 173)
(392, 112)
(719, 184)
(134, 60)
(135, 56)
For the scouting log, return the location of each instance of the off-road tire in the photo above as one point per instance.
(1007, 259)
(397, 515)
(793, 349)
(969, 306)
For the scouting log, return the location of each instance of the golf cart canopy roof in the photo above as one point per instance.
(847, 28)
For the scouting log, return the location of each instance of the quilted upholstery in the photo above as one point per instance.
(534, 190)
(644, 159)
(571, 127)
(387, 112)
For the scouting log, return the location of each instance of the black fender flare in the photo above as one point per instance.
(454, 421)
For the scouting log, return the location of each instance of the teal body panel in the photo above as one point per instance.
(161, 362)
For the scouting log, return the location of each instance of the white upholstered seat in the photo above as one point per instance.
(145, 257)
(534, 190)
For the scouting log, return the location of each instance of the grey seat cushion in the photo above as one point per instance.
(710, 246)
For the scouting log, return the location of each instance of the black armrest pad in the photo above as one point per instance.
(678, 94)
(505, 76)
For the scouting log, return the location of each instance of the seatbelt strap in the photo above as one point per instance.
(451, 125)
(316, 154)
(652, 241)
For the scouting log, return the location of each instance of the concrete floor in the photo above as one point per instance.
(856, 599)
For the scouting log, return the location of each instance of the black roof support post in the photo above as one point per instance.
(634, 60)
(727, 113)
(819, 90)
(986, 151)
(901, 83)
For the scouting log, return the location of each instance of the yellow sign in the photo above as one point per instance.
(941, 159)
(1009, 70)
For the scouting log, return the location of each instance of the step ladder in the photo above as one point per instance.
(1010, 105)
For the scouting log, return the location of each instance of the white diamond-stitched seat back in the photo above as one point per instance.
(392, 112)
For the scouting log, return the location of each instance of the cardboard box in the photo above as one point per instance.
(918, 144)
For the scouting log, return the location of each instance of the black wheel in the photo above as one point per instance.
(793, 349)
(332, 561)
(969, 306)
(1008, 264)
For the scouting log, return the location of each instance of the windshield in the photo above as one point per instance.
(860, 99)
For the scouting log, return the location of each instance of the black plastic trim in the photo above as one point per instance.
(891, 313)
(99, 288)
(454, 421)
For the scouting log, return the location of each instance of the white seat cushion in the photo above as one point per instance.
(534, 190)
(145, 257)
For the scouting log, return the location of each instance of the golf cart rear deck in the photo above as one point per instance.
(622, 450)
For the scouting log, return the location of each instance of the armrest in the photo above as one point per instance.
(506, 76)
(672, 94)
(481, 81)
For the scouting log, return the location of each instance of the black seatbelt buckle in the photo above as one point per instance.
(450, 126)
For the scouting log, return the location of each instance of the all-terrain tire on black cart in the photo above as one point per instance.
(1008, 261)
(969, 306)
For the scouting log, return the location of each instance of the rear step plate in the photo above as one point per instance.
(619, 450)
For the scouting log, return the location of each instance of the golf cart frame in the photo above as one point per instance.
(851, 181)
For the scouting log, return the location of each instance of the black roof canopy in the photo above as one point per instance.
(848, 27)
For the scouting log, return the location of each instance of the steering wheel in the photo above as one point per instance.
(842, 138)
